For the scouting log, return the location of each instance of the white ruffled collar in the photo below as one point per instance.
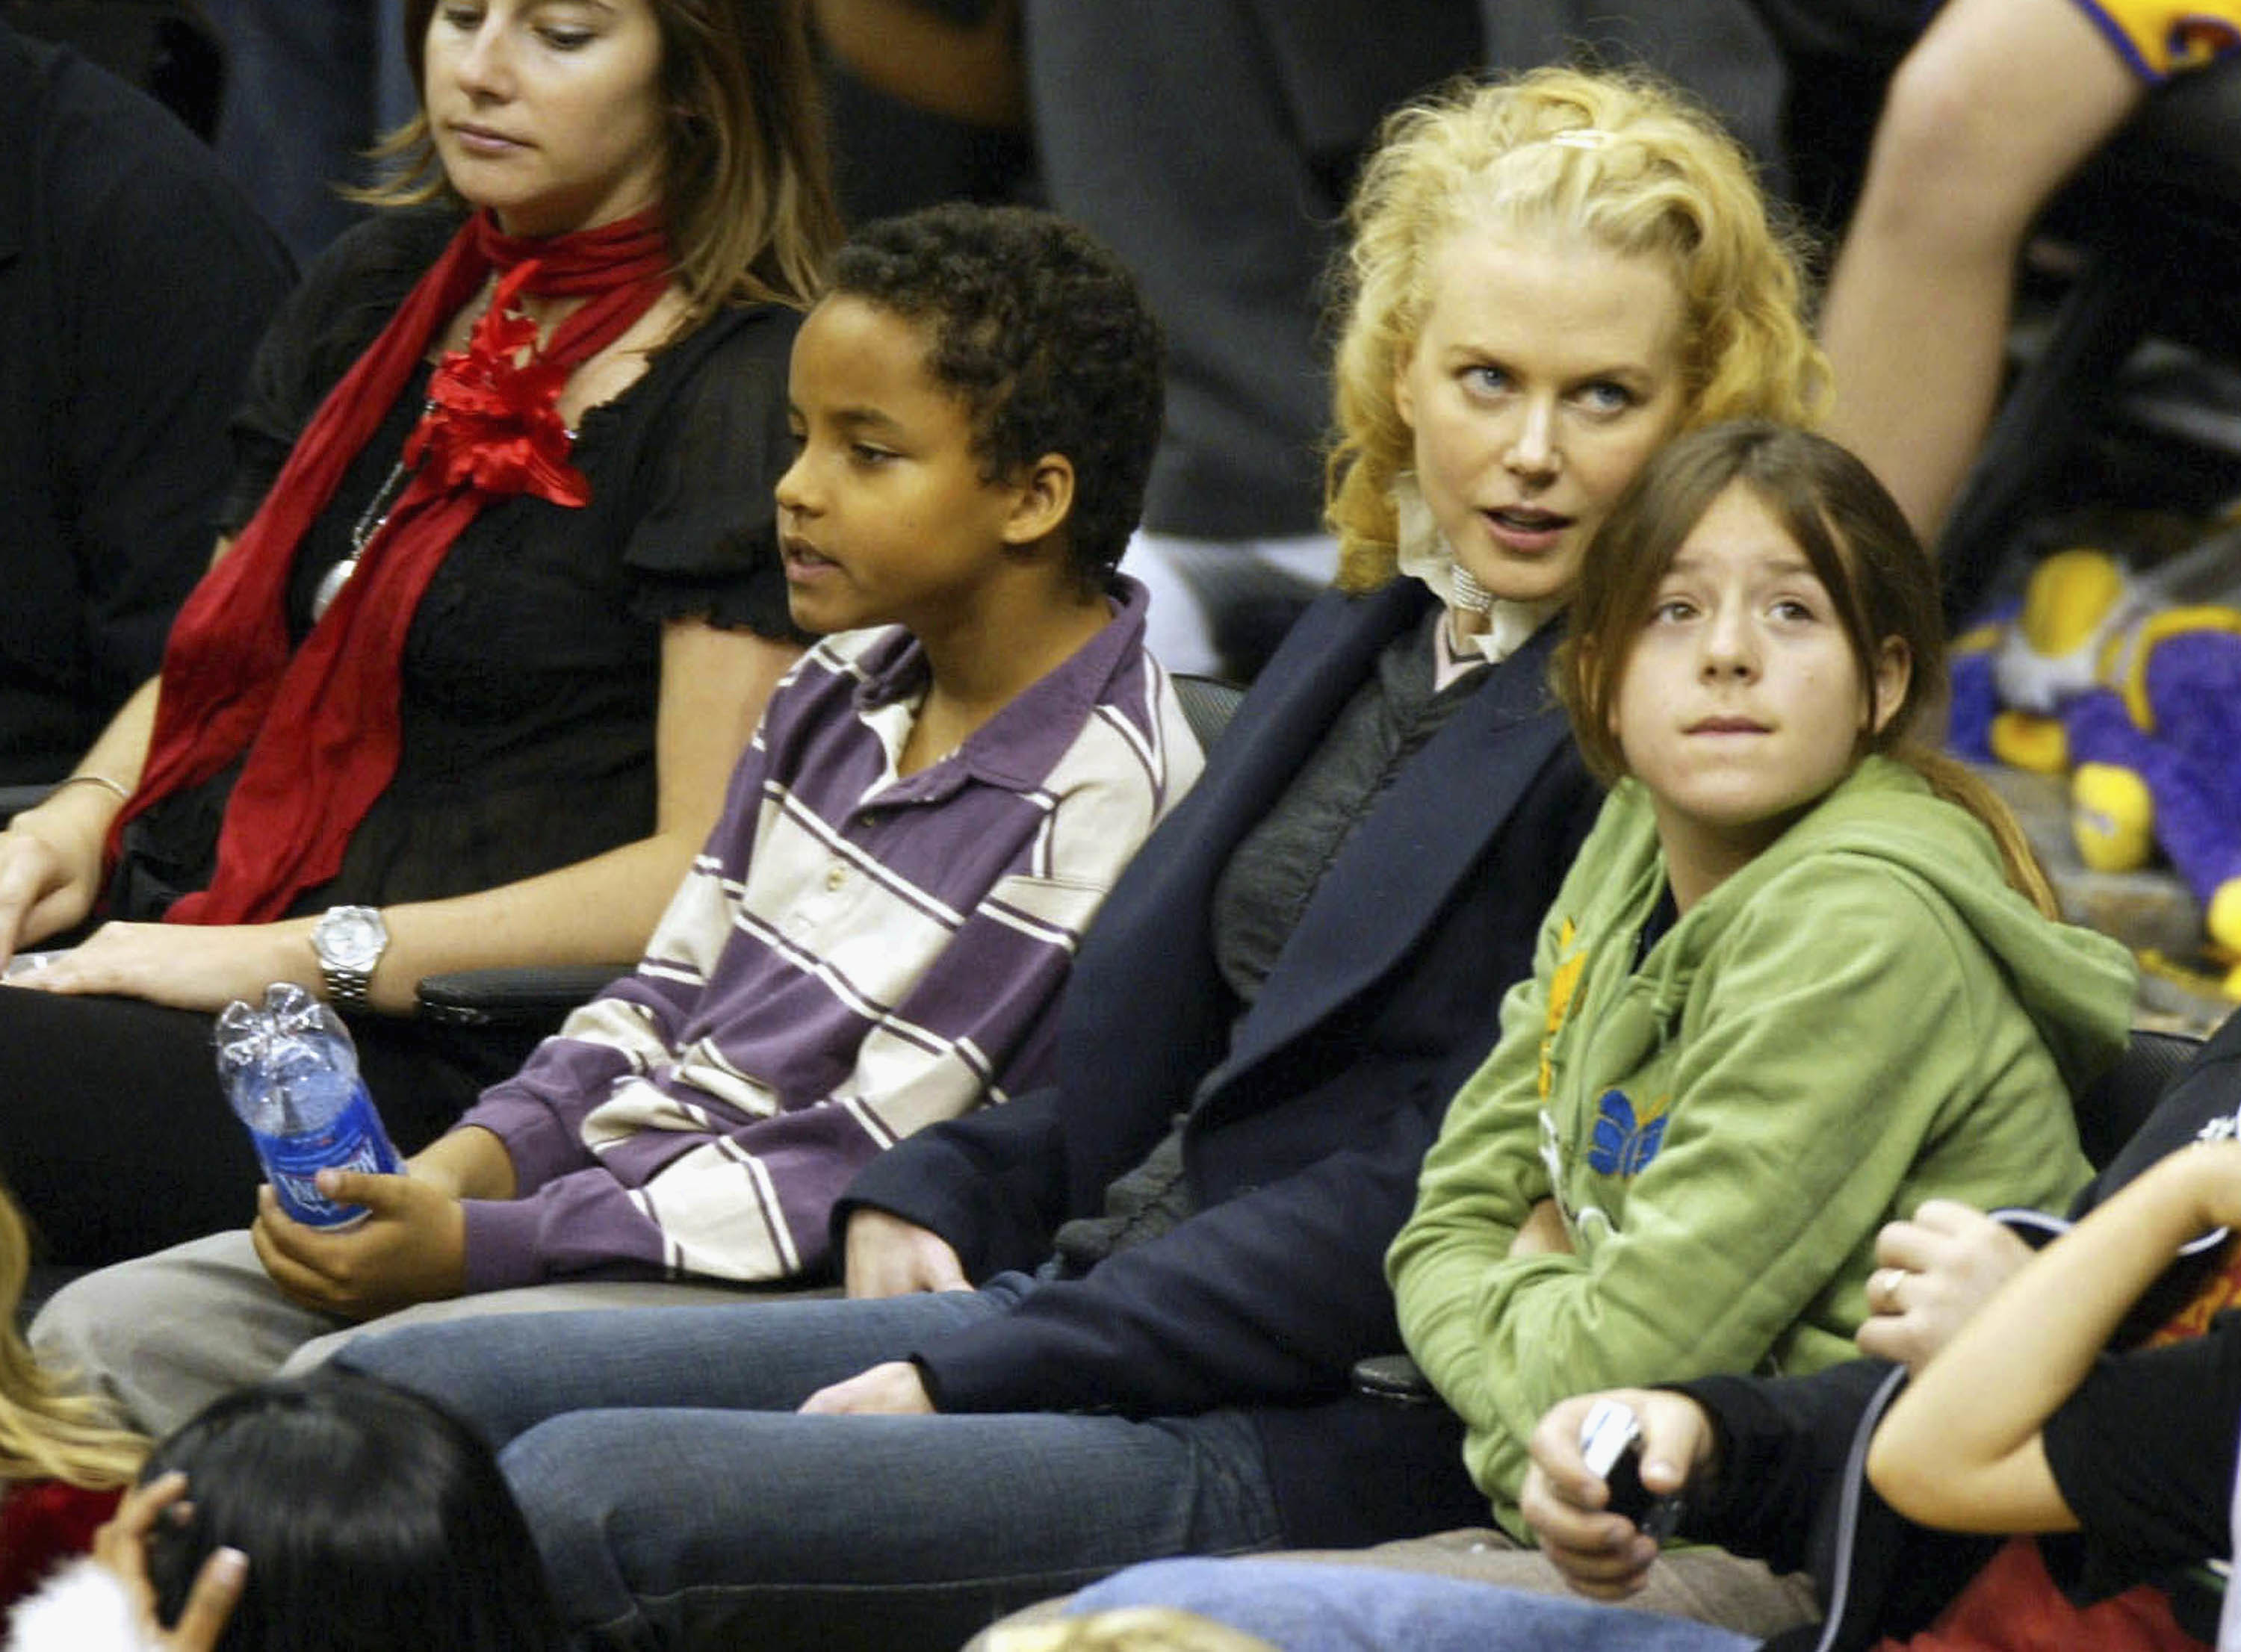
(1425, 555)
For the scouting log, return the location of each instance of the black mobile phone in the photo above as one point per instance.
(1610, 1443)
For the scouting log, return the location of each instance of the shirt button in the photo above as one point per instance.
(835, 877)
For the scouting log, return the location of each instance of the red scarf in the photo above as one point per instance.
(320, 729)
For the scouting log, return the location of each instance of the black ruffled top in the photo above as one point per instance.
(532, 670)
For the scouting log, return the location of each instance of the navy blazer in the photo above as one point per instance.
(1318, 1105)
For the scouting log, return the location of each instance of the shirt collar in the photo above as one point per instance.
(1018, 746)
(1425, 555)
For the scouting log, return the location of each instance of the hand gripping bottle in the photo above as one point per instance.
(291, 1072)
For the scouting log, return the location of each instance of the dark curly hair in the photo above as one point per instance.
(1042, 332)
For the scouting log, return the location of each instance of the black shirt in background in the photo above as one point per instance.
(134, 284)
(2145, 1454)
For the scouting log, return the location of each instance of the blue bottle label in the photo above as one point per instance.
(352, 1140)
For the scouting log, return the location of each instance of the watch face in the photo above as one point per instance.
(352, 937)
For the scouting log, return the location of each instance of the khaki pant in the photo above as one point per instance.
(1706, 1585)
(164, 1335)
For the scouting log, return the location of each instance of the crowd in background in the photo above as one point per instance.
(733, 484)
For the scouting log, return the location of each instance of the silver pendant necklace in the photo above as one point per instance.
(370, 522)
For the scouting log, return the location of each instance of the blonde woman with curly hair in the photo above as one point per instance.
(63, 1463)
(1177, 1247)
(1603, 170)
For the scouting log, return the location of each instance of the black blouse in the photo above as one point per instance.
(2145, 1454)
(532, 670)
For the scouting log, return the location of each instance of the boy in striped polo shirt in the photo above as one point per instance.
(874, 936)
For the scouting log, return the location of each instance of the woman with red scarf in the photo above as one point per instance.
(496, 607)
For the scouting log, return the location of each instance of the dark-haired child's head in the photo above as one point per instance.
(1042, 337)
(1754, 617)
(1880, 586)
(371, 1518)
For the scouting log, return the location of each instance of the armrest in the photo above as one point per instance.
(14, 799)
(523, 996)
(1396, 1379)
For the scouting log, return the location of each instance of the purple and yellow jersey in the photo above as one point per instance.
(2161, 38)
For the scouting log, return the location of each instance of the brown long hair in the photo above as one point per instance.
(1882, 582)
(747, 184)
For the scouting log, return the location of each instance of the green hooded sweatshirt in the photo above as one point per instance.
(1864, 1017)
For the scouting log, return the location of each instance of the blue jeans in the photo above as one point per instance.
(678, 1500)
(1304, 1607)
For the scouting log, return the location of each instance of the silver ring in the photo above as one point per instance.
(1885, 1283)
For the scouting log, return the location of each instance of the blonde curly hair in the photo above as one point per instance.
(1658, 178)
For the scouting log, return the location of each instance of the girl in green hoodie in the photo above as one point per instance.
(1803, 976)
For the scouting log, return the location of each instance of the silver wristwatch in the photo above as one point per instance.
(350, 941)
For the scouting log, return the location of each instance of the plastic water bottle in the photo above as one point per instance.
(291, 1072)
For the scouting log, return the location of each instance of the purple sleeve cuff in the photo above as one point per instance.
(502, 1249)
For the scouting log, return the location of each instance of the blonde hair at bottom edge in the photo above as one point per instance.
(47, 1431)
(1128, 1629)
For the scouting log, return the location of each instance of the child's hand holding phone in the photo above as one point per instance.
(1603, 1487)
(1611, 1447)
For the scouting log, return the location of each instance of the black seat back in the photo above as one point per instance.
(1207, 702)
(2114, 1106)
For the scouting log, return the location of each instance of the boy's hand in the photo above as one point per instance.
(412, 1247)
(887, 1256)
(122, 1546)
(1931, 1275)
(1603, 1555)
(894, 1390)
